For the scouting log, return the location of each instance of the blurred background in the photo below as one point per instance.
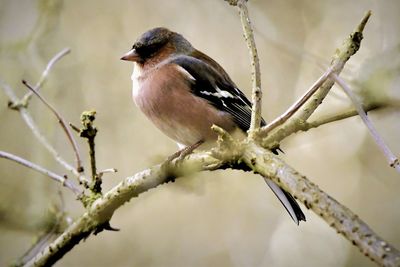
(223, 218)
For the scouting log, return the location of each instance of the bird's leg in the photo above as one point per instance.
(181, 154)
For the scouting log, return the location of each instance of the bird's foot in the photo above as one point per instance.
(176, 158)
(181, 154)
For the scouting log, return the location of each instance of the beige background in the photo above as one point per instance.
(224, 218)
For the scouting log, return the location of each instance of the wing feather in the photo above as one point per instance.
(217, 88)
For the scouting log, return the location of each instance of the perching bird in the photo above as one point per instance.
(184, 92)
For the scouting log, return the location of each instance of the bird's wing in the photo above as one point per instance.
(210, 81)
(217, 88)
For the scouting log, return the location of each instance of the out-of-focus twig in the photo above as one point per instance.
(63, 180)
(56, 224)
(41, 242)
(392, 159)
(63, 124)
(43, 78)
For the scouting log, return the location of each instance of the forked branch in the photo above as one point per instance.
(45, 73)
(63, 124)
(342, 55)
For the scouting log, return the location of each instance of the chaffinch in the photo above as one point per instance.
(184, 92)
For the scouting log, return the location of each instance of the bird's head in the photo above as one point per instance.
(157, 44)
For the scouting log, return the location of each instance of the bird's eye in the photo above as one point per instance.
(148, 50)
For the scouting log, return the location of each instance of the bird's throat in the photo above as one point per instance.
(137, 72)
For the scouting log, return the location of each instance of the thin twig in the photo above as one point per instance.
(64, 181)
(392, 159)
(56, 224)
(300, 102)
(256, 95)
(111, 170)
(75, 128)
(63, 124)
(43, 78)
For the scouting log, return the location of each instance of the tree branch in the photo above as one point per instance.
(257, 158)
(97, 216)
(335, 214)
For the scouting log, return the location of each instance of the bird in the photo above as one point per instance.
(184, 92)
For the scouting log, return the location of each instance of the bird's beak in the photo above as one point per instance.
(131, 56)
